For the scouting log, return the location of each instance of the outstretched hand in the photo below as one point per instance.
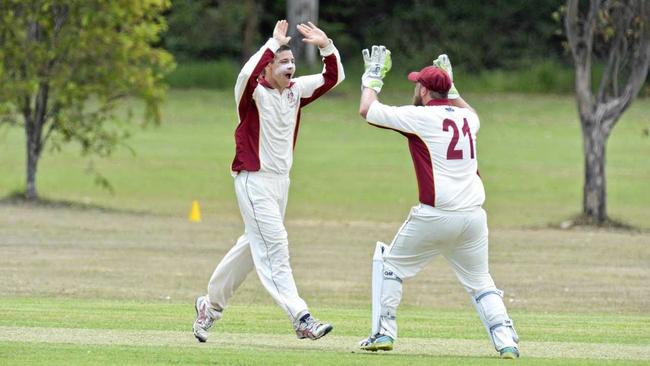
(313, 34)
(280, 32)
(377, 64)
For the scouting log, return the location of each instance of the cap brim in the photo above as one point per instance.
(414, 76)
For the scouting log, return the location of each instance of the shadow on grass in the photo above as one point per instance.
(18, 198)
(584, 222)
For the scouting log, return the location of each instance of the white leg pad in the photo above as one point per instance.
(391, 296)
(377, 281)
(490, 307)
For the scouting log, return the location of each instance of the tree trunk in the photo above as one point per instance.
(302, 11)
(34, 136)
(33, 154)
(594, 192)
(249, 45)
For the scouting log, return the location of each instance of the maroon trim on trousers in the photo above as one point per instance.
(331, 75)
(422, 164)
(247, 134)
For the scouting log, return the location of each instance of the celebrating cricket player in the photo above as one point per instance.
(269, 100)
(441, 131)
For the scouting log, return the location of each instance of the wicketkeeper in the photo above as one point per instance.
(441, 131)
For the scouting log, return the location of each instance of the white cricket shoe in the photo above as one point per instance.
(311, 328)
(205, 317)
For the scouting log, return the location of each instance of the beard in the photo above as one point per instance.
(417, 100)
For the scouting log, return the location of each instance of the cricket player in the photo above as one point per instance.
(269, 100)
(441, 131)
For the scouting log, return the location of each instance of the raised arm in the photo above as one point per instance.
(377, 64)
(444, 63)
(247, 78)
(368, 96)
(313, 86)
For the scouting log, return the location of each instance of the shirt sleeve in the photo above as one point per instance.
(401, 119)
(247, 78)
(313, 86)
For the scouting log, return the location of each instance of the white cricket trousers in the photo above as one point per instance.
(264, 246)
(461, 237)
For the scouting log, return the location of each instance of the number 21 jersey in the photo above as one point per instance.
(442, 142)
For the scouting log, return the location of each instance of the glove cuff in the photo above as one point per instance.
(373, 84)
(453, 92)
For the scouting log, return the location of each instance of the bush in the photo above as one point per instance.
(220, 74)
(544, 77)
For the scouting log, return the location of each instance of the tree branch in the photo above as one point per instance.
(50, 115)
(580, 36)
(638, 69)
(609, 79)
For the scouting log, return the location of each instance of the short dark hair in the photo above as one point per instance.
(284, 47)
(437, 95)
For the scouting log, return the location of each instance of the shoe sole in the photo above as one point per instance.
(508, 356)
(378, 347)
(196, 309)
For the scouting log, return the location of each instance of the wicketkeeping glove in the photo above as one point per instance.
(443, 62)
(377, 64)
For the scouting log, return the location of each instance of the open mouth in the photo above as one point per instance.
(288, 76)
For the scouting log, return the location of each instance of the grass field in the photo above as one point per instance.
(529, 156)
(86, 286)
(112, 281)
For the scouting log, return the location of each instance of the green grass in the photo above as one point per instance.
(530, 158)
(126, 332)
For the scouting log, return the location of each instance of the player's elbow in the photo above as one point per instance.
(363, 110)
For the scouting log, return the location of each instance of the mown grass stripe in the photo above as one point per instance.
(332, 343)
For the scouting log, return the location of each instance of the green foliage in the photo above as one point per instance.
(478, 35)
(65, 66)
(543, 77)
(205, 29)
(546, 76)
(207, 75)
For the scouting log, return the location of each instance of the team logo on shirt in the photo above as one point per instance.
(291, 97)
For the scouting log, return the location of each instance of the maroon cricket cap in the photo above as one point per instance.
(432, 78)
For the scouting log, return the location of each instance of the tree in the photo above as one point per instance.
(250, 33)
(65, 65)
(616, 35)
(302, 11)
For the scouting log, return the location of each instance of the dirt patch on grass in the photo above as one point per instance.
(51, 252)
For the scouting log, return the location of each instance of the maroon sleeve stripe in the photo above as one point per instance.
(331, 75)
(247, 134)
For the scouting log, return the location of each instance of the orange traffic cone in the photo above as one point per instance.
(195, 212)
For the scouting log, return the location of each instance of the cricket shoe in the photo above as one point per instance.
(378, 342)
(312, 328)
(509, 353)
(205, 318)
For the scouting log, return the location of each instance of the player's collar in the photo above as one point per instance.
(443, 101)
(267, 85)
